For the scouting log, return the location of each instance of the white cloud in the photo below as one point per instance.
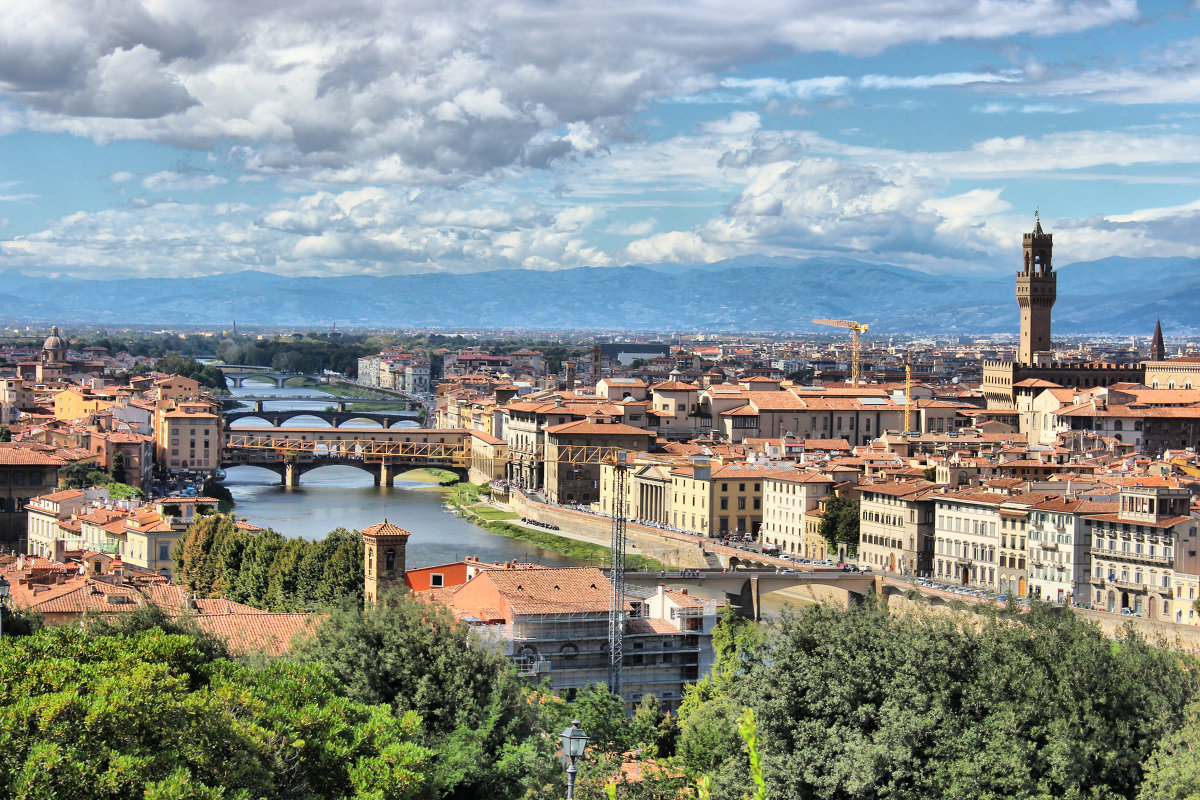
(932, 81)
(642, 228)
(168, 181)
(436, 92)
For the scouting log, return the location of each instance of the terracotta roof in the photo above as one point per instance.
(385, 528)
(584, 426)
(674, 386)
(798, 476)
(550, 591)
(21, 456)
(262, 632)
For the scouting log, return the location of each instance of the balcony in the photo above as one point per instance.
(1144, 558)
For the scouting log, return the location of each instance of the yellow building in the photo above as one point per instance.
(78, 403)
(717, 501)
(142, 535)
(187, 436)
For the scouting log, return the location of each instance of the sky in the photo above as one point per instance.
(168, 138)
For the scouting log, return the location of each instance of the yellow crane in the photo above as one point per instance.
(856, 330)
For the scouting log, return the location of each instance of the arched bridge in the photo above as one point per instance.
(744, 588)
(335, 418)
(384, 452)
(238, 376)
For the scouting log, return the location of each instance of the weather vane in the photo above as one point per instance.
(1037, 218)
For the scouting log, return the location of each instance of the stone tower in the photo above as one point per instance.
(1158, 348)
(383, 558)
(1037, 288)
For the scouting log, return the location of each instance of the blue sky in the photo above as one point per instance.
(204, 136)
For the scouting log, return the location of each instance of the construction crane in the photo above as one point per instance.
(908, 384)
(616, 603)
(856, 330)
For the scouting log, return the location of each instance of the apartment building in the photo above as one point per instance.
(1135, 551)
(966, 539)
(788, 497)
(896, 526)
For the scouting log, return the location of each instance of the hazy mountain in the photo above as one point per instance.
(1117, 295)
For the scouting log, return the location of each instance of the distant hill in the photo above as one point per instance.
(1116, 295)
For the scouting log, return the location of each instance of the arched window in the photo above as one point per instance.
(1118, 425)
(389, 559)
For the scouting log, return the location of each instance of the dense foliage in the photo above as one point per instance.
(864, 704)
(151, 715)
(839, 526)
(86, 475)
(215, 558)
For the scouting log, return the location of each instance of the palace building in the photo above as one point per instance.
(1009, 384)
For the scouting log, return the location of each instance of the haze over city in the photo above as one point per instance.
(191, 138)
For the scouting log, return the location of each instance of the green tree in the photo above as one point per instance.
(118, 467)
(5, 434)
(82, 475)
(73, 708)
(869, 705)
(1173, 770)
(283, 577)
(254, 574)
(415, 657)
(839, 526)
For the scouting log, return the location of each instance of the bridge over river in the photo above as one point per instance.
(743, 588)
(383, 452)
(336, 414)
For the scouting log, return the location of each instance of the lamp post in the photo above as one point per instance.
(574, 743)
(4, 591)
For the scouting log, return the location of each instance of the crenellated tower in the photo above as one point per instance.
(1037, 289)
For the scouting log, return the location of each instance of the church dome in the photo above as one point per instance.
(54, 341)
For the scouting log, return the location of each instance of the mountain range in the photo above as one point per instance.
(1120, 296)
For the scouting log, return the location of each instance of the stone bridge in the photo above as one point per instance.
(384, 452)
(743, 588)
(238, 376)
(335, 418)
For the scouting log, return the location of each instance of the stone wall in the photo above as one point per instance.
(598, 530)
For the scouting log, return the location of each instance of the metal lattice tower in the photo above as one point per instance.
(908, 385)
(616, 604)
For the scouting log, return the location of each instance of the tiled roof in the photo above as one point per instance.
(385, 528)
(11, 454)
(550, 591)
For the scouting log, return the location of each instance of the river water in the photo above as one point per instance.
(345, 496)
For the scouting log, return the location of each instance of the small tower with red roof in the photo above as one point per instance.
(383, 558)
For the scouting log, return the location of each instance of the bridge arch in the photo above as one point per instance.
(232, 419)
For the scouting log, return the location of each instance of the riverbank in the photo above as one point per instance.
(468, 500)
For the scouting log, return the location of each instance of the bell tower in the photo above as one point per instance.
(1037, 289)
(383, 559)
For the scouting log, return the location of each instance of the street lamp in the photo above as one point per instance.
(574, 743)
(4, 592)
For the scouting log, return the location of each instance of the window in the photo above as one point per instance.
(437, 579)
(164, 551)
(389, 559)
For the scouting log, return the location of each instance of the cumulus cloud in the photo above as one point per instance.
(436, 92)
